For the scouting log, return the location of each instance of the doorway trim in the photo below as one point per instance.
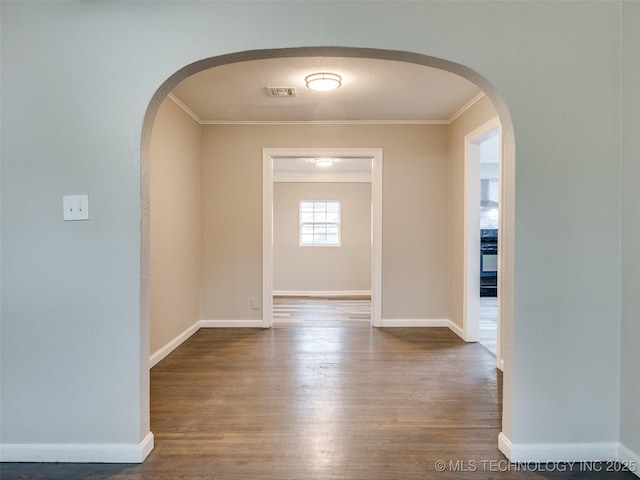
(471, 260)
(268, 155)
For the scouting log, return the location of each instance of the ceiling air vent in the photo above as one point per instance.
(281, 91)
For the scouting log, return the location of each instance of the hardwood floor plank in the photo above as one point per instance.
(321, 310)
(488, 323)
(332, 400)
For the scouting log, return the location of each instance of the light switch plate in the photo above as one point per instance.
(76, 207)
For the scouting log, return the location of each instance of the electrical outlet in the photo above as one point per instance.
(255, 303)
(76, 207)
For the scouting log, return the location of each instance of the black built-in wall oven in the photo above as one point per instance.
(489, 262)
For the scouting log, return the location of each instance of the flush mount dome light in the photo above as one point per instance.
(324, 162)
(323, 82)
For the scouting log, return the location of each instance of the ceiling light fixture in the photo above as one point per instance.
(324, 162)
(323, 82)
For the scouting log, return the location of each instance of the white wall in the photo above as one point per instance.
(489, 170)
(175, 225)
(415, 174)
(480, 113)
(567, 226)
(345, 268)
(74, 96)
(630, 401)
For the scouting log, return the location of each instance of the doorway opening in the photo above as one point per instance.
(321, 241)
(271, 158)
(483, 199)
(506, 271)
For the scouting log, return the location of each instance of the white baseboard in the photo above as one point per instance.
(504, 445)
(77, 453)
(414, 322)
(231, 323)
(570, 452)
(558, 452)
(630, 459)
(160, 354)
(322, 293)
(456, 329)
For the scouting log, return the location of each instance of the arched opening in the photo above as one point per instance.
(508, 183)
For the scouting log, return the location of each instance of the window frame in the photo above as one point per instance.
(325, 222)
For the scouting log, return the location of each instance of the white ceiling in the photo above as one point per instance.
(372, 90)
(304, 169)
(302, 164)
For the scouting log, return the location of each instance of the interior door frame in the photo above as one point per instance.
(471, 295)
(268, 155)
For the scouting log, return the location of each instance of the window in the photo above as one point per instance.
(320, 222)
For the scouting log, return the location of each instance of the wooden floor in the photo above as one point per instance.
(304, 401)
(489, 323)
(320, 311)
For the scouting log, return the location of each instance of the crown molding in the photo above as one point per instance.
(186, 109)
(328, 122)
(464, 108)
